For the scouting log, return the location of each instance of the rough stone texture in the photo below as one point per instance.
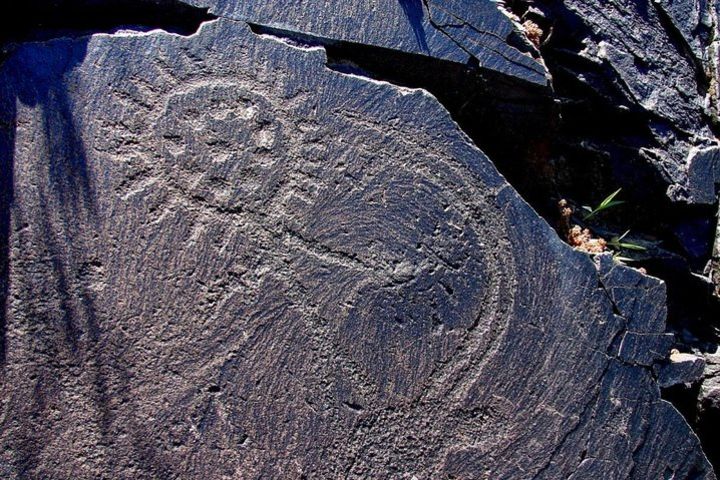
(228, 261)
(710, 388)
(683, 368)
(708, 403)
(461, 31)
(655, 59)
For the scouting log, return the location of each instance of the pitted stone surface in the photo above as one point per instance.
(228, 261)
(462, 31)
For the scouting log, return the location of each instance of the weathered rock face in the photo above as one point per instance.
(708, 407)
(459, 31)
(225, 260)
(472, 56)
(652, 67)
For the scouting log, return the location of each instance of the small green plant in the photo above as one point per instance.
(619, 258)
(582, 239)
(608, 202)
(619, 244)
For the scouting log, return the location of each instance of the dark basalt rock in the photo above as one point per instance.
(683, 368)
(473, 33)
(226, 260)
(651, 67)
(472, 56)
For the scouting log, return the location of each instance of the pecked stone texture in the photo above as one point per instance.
(466, 32)
(227, 261)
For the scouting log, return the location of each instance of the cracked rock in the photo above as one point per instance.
(223, 259)
(649, 59)
(457, 30)
(710, 388)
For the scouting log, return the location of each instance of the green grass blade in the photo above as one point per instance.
(632, 246)
(608, 200)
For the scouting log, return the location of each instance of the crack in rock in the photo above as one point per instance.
(210, 213)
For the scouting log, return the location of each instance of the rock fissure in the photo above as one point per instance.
(382, 286)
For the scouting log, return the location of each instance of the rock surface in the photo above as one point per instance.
(653, 64)
(456, 30)
(226, 260)
(683, 368)
(708, 404)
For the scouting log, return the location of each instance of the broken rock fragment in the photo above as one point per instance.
(682, 368)
(460, 31)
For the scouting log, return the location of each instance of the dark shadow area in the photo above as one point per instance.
(35, 20)
(414, 11)
(64, 219)
(703, 417)
(36, 79)
(41, 84)
(693, 309)
(38, 20)
(62, 214)
(602, 143)
(7, 144)
(683, 398)
(707, 426)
